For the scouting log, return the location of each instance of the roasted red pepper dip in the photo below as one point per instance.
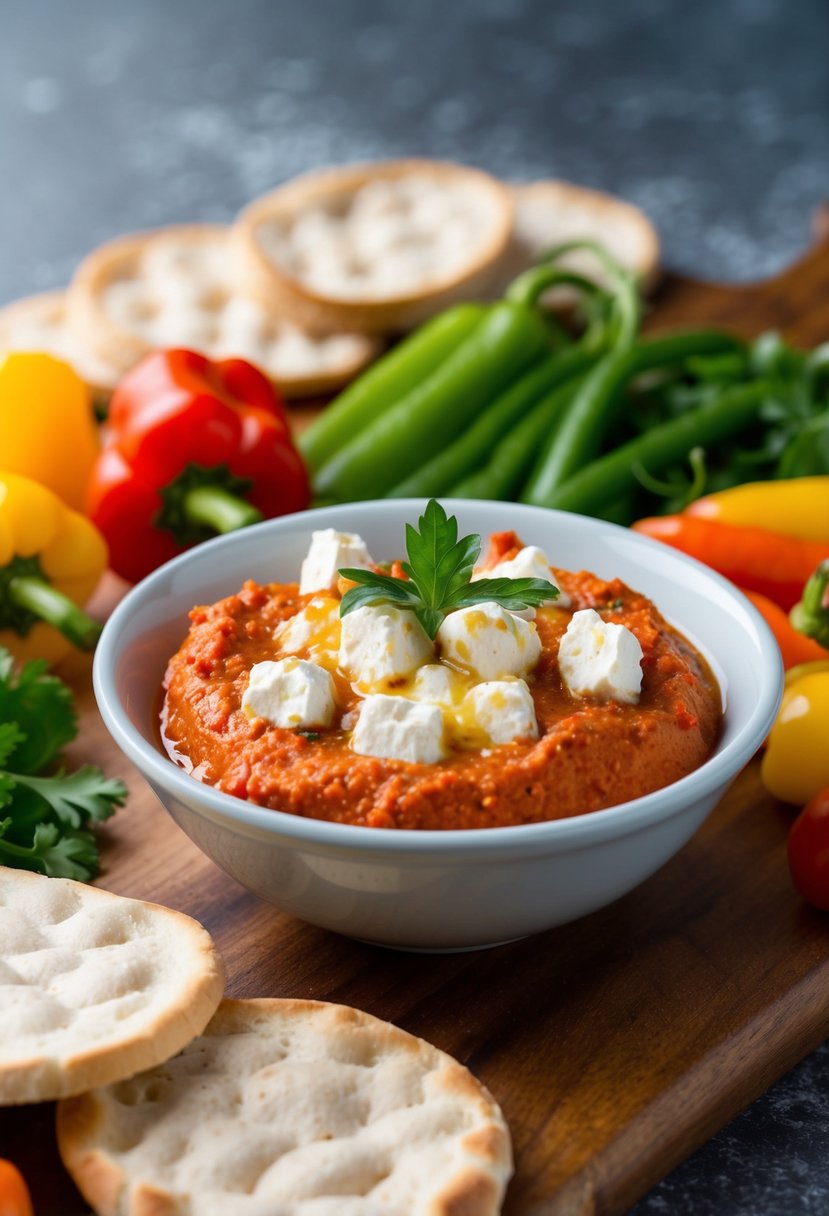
(590, 754)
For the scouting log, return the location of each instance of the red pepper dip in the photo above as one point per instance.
(590, 753)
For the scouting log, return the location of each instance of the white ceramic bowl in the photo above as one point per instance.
(438, 890)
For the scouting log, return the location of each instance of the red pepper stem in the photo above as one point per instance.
(35, 595)
(811, 615)
(217, 508)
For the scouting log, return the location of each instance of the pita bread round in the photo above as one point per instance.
(177, 288)
(291, 1108)
(94, 987)
(377, 247)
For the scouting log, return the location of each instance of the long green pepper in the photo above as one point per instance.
(578, 439)
(513, 456)
(512, 336)
(475, 445)
(599, 485)
(508, 340)
(389, 379)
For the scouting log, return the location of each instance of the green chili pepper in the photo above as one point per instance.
(503, 475)
(433, 412)
(389, 379)
(578, 438)
(476, 443)
(599, 485)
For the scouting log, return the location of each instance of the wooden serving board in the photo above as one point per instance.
(617, 1044)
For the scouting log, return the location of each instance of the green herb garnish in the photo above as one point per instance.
(44, 818)
(439, 570)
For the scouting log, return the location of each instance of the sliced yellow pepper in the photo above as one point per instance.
(796, 507)
(796, 762)
(47, 430)
(51, 559)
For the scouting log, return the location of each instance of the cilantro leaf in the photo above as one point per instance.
(73, 855)
(41, 706)
(10, 736)
(439, 572)
(377, 589)
(511, 593)
(45, 818)
(79, 796)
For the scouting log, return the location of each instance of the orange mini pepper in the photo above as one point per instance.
(758, 560)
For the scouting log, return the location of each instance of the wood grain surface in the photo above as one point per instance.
(616, 1045)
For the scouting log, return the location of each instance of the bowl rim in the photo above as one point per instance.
(624, 818)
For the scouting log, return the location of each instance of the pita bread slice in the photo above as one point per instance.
(547, 213)
(94, 987)
(291, 1108)
(39, 323)
(178, 287)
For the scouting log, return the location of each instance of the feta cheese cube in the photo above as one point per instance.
(393, 728)
(529, 562)
(315, 627)
(503, 710)
(489, 641)
(292, 693)
(600, 659)
(438, 684)
(331, 551)
(380, 642)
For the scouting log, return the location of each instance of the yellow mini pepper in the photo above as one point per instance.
(47, 430)
(796, 761)
(51, 559)
(795, 507)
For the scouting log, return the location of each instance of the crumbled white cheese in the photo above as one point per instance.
(381, 642)
(393, 728)
(292, 693)
(331, 551)
(436, 683)
(488, 640)
(316, 626)
(529, 562)
(503, 710)
(600, 659)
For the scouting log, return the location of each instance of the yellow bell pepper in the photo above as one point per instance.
(796, 507)
(51, 559)
(47, 430)
(796, 762)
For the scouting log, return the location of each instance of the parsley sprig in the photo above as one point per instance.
(45, 818)
(439, 571)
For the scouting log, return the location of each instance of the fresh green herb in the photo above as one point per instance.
(310, 735)
(438, 572)
(45, 817)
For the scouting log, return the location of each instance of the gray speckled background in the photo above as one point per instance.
(712, 115)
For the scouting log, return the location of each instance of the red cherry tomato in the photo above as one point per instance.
(14, 1194)
(809, 851)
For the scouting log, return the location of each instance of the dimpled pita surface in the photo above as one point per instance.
(39, 323)
(93, 986)
(176, 288)
(291, 1108)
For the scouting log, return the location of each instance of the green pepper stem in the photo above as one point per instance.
(811, 615)
(217, 508)
(35, 595)
(532, 283)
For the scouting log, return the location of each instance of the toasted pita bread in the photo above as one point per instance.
(291, 1108)
(94, 987)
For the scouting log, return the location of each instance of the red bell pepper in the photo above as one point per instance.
(193, 447)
